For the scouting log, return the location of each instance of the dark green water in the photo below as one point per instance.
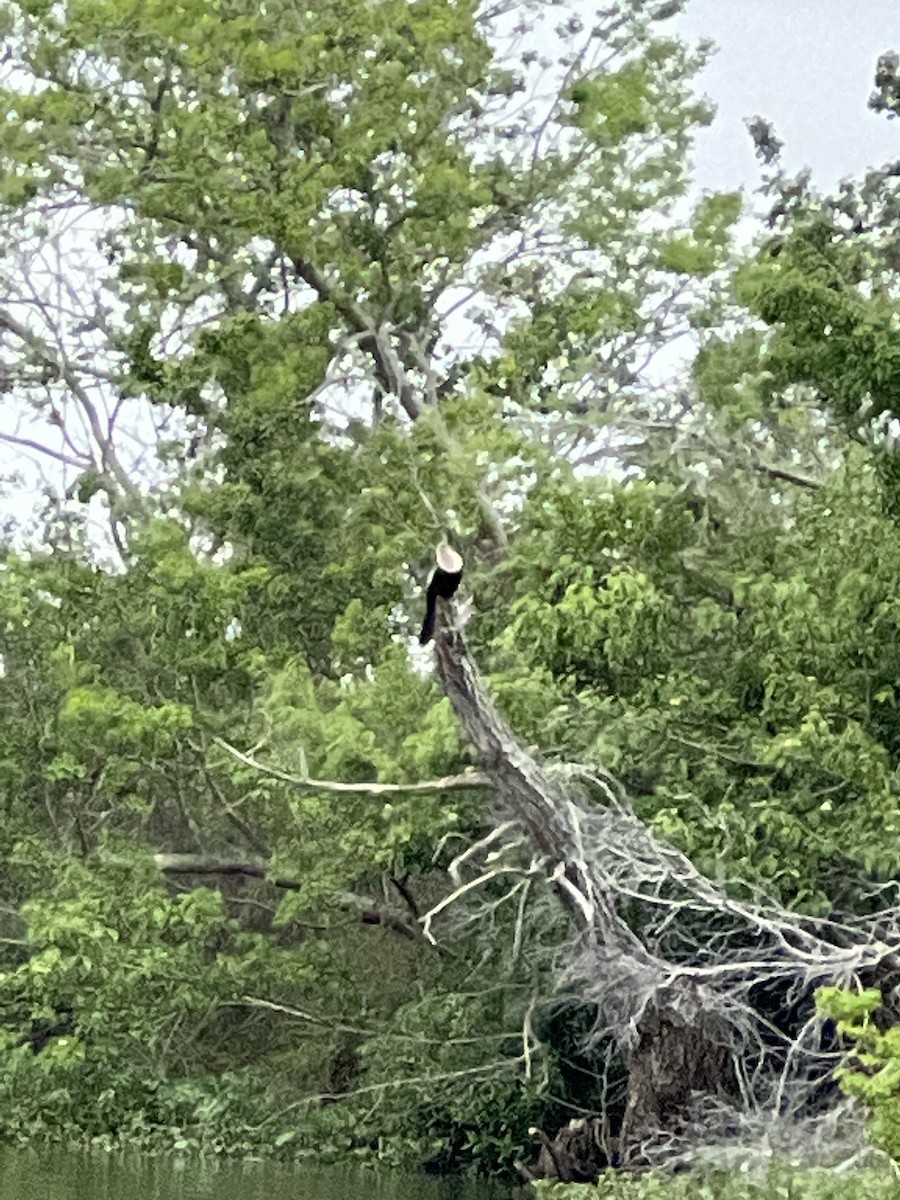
(49, 1174)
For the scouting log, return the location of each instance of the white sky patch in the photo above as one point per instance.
(808, 66)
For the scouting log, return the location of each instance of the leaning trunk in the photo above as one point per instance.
(675, 1043)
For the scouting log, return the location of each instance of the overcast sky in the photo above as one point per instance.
(806, 65)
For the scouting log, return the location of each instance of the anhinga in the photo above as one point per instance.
(444, 581)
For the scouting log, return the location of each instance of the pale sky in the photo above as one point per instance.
(808, 66)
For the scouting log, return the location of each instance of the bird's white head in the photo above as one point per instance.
(447, 559)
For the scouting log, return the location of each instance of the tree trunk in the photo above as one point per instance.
(678, 1059)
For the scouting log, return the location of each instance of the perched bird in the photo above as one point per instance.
(444, 581)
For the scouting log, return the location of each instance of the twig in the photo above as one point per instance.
(459, 892)
(482, 844)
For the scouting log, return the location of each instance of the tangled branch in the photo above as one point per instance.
(675, 986)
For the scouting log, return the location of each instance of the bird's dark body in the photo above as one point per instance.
(442, 584)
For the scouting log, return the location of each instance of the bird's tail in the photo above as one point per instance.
(427, 626)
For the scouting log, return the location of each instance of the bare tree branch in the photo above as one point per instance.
(59, 363)
(466, 781)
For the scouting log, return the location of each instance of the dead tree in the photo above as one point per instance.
(697, 1055)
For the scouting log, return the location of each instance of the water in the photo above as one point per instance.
(53, 1174)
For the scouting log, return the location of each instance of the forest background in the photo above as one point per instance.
(286, 294)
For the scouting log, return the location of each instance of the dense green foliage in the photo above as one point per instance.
(873, 1070)
(284, 205)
